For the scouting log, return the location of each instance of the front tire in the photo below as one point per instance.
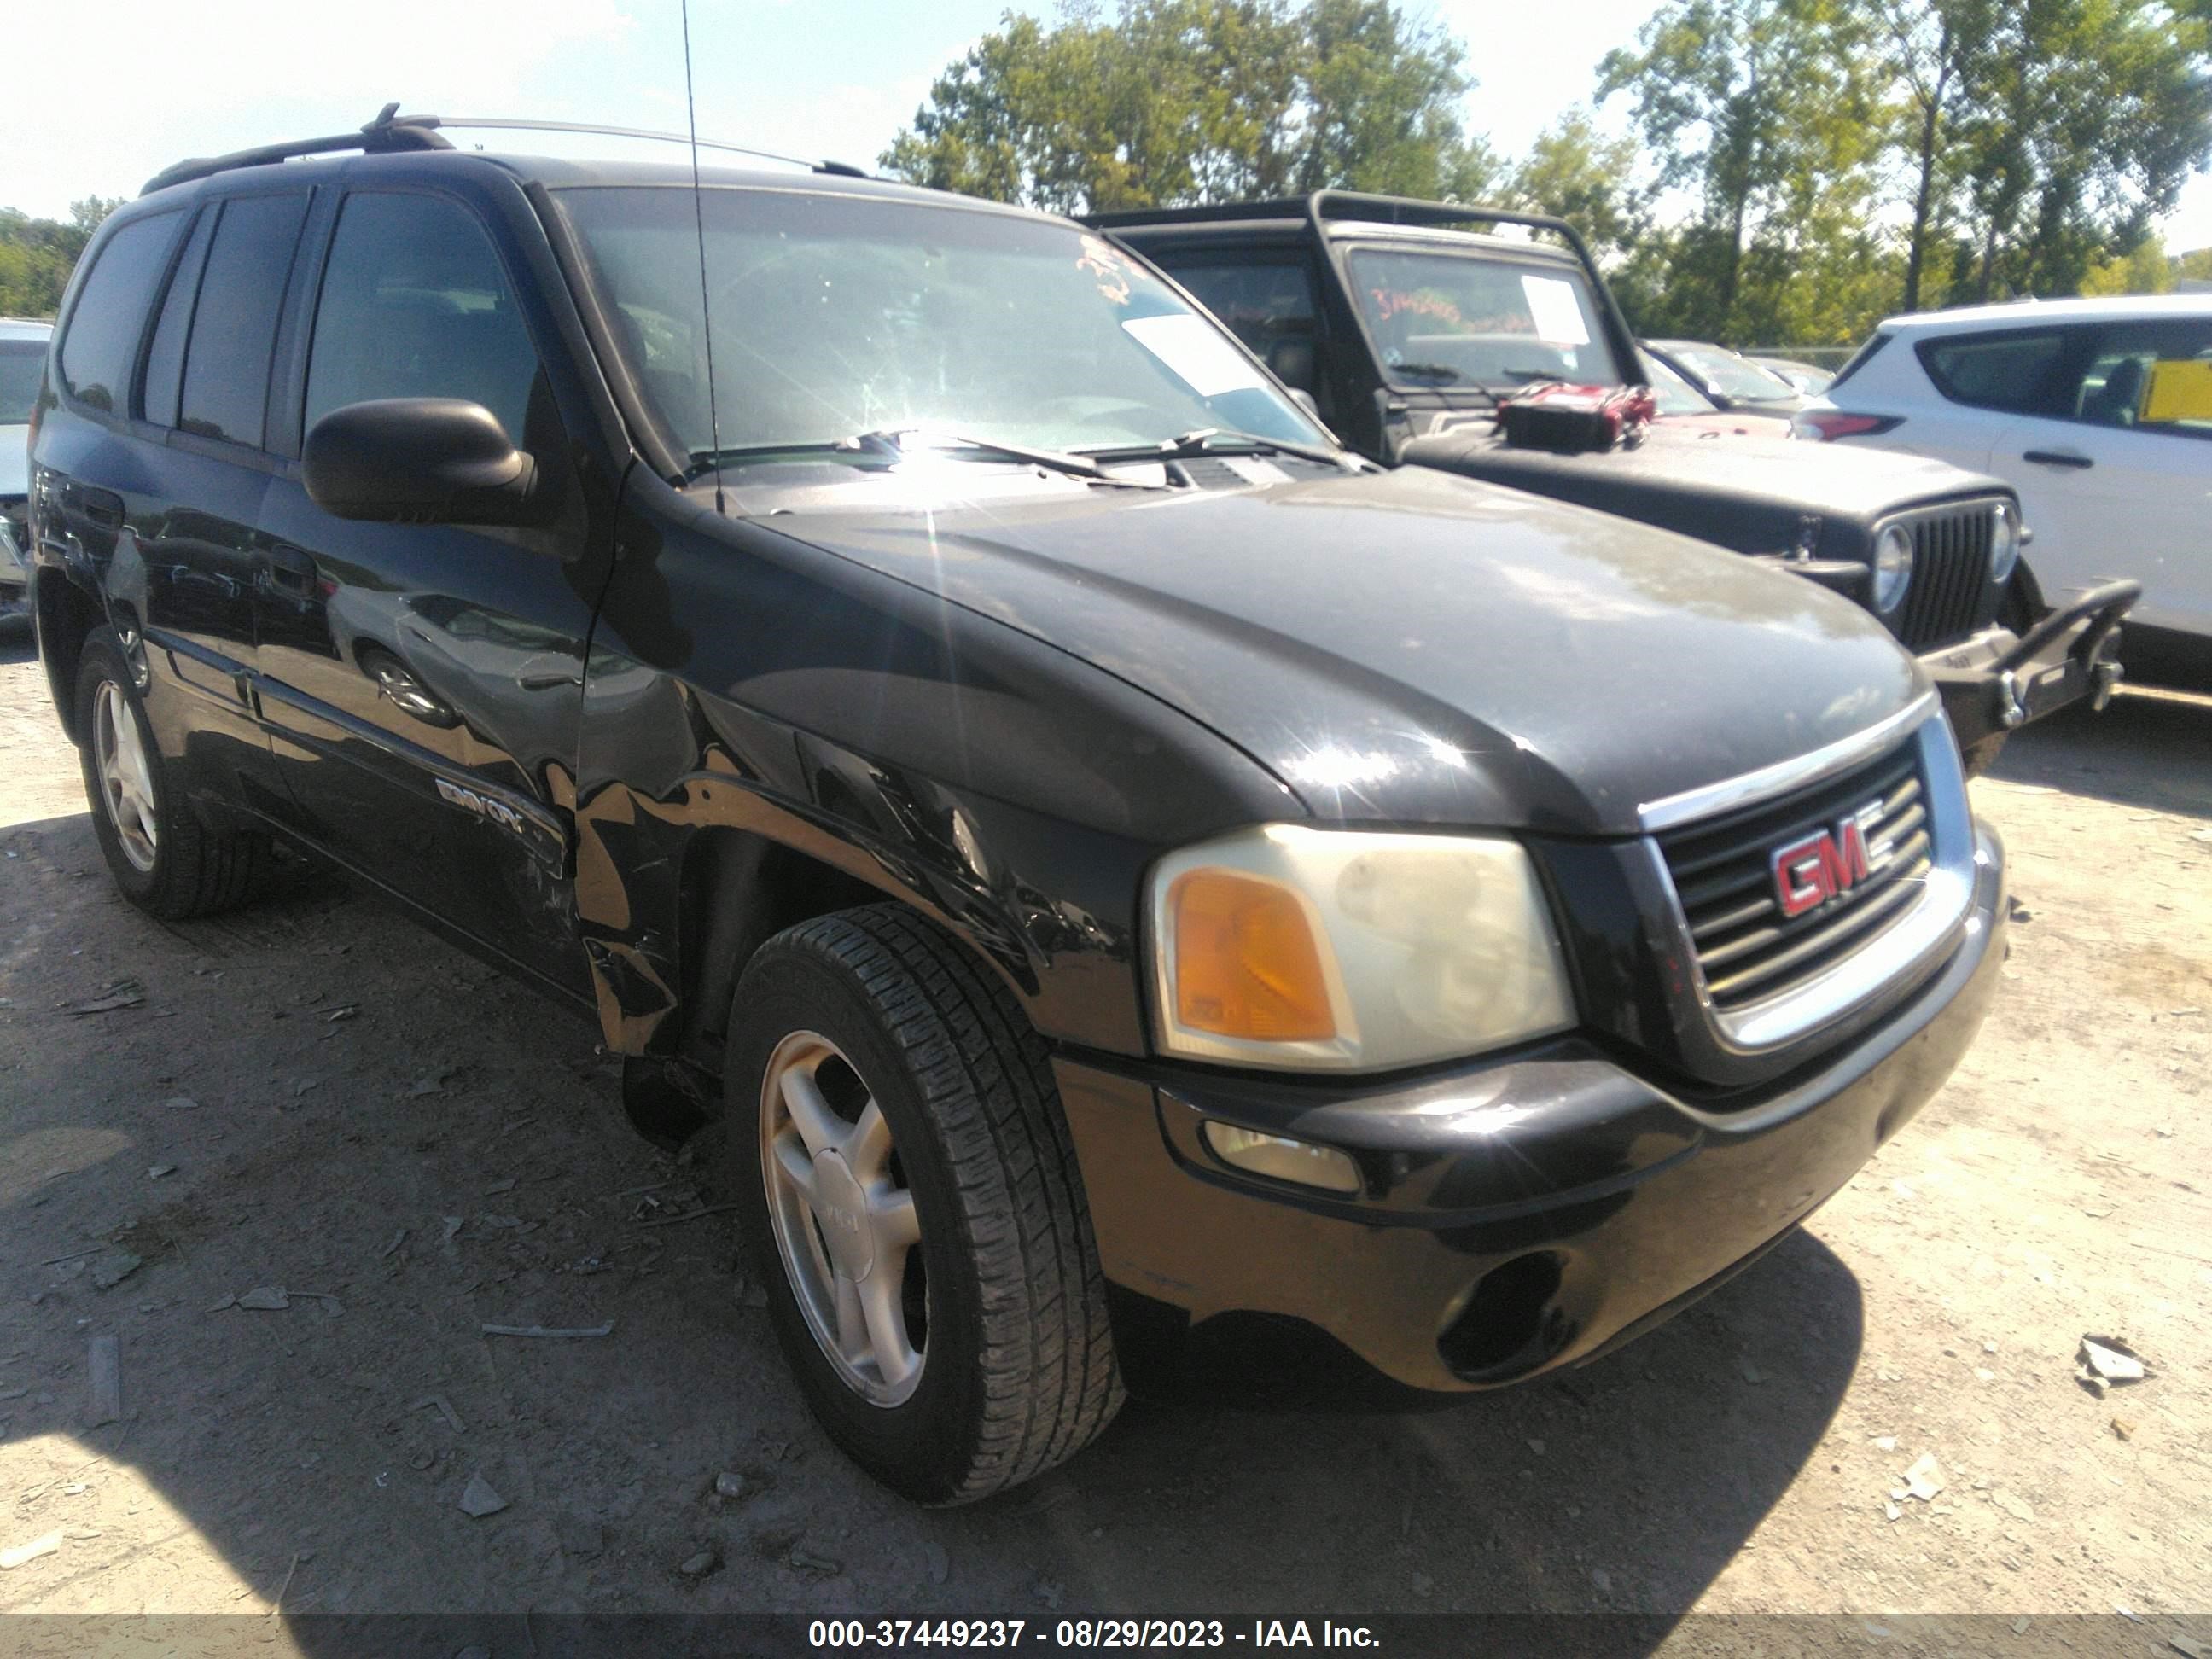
(910, 1192)
(163, 858)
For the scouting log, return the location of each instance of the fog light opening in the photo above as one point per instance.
(1503, 1328)
(1281, 1158)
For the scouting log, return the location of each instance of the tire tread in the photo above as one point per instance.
(1051, 1383)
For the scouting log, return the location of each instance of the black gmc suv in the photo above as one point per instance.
(1408, 329)
(1118, 864)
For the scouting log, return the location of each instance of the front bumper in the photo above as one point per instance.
(1519, 1215)
(1994, 683)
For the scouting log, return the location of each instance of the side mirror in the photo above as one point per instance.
(418, 460)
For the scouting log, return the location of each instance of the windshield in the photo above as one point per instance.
(1731, 375)
(1676, 395)
(836, 315)
(1802, 377)
(1448, 320)
(20, 363)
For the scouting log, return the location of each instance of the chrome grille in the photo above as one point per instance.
(1724, 876)
(1950, 595)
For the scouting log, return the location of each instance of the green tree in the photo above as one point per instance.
(1381, 105)
(1576, 173)
(1173, 101)
(1936, 45)
(1761, 110)
(2144, 269)
(2078, 122)
(37, 255)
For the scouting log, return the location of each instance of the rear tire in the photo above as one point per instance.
(910, 1193)
(163, 858)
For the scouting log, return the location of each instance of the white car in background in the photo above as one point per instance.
(2098, 412)
(22, 357)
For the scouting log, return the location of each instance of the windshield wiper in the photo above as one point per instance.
(885, 442)
(1056, 460)
(1427, 371)
(1213, 441)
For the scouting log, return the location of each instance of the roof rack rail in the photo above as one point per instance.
(1324, 205)
(391, 131)
(378, 137)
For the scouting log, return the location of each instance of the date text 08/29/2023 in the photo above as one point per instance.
(1126, 1634)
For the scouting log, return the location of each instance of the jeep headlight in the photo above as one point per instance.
(1345, 951)
(2004, 542)
(1893, 566)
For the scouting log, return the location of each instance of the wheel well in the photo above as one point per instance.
(64, 616)
(739, 890)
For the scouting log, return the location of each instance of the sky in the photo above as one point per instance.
(815, 78)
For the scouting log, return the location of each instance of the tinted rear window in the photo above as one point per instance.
(19, 379)
(2018, 372)
(164, 358)
(101, 347)
(234, 325)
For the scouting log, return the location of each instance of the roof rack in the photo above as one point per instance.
(1326, 205)
(391, 131)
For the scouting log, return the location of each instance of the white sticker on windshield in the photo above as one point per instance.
(1195, 353)
(1557, 313)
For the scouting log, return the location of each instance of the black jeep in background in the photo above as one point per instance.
(1121, 866)
(1407, 329)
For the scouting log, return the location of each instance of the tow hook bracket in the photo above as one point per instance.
(2012, 710)
(2108, 677)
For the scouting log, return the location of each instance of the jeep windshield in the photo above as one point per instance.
(1447, 320)
(836, 314)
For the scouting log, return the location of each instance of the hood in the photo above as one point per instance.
(1690, 465)
(1407, 647)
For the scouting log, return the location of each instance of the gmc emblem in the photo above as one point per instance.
(1815, 868)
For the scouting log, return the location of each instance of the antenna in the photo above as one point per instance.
(699, 224)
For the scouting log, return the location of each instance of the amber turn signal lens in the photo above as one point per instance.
(1245, 962)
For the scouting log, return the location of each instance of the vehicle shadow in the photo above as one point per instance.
(2147, 749)
(1626, 1486)
(409, 1145)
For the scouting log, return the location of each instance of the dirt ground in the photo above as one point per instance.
(312, 1095)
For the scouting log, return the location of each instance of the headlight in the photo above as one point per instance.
(2004, 544)
(1893, 566)
(1337, 950)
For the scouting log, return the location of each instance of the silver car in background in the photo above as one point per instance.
(22, 357)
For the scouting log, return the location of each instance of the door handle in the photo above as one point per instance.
(2066, 457)
(291, 568)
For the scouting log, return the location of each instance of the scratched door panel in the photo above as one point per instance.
(424, 684)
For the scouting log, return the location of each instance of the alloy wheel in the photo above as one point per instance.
(844, 1221)
(126, 781)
